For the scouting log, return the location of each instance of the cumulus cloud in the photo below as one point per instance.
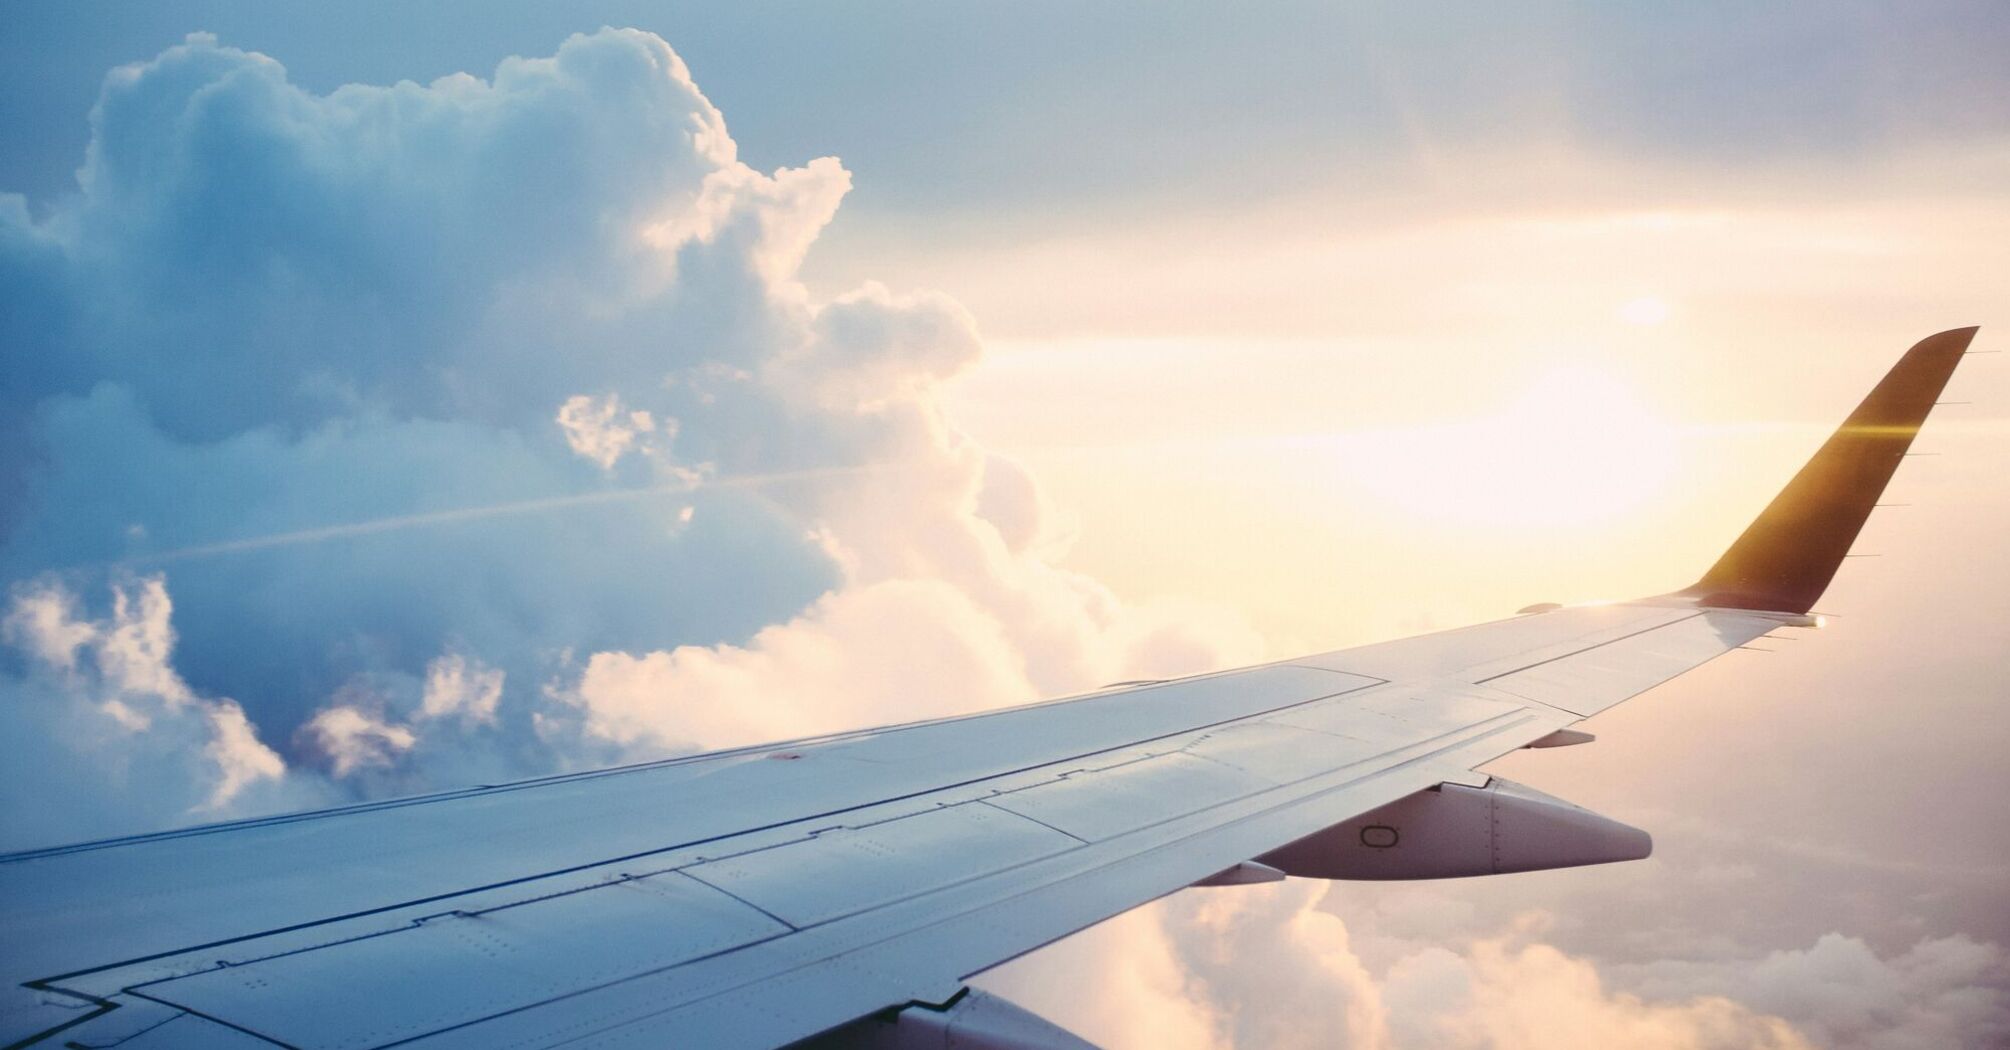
(1509, 995)
(1272, 966)
(444, 412)
(104, 735)
(460, 687)
(1941, 991)
(851, 658)
(1120, 984)
(599, 429)
(353, 738)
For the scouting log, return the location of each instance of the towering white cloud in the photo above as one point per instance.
(483, 427)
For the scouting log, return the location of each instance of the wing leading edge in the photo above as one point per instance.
(735, 900)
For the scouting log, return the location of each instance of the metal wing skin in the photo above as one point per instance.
(823, 888)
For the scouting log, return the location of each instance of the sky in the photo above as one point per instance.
(399, 397)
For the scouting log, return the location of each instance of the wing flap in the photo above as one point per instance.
(461, 966)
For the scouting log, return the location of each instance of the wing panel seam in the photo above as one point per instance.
(1588, 648)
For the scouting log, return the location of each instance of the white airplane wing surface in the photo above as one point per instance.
(841, 889)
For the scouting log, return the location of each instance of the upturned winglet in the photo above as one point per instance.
(1786, 557)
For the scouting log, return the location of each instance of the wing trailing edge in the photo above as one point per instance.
(1787, 556)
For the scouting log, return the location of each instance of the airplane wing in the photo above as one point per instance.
(844, 887)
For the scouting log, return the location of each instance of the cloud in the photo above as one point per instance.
(1310, 964)
(483, 428)
(1510, 995)
(1942, 991)
(1119, 984)
(902, 648)
(459, 687)
(600, 430)
(353, 738)
(103, 735)
(241, 759)
(1272, 967)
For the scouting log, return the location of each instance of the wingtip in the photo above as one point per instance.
(1954, 341)
(1786, 557)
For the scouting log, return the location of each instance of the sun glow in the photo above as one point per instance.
(1646, 310)
(1573, 446)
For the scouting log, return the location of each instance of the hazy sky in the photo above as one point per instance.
(358, 440)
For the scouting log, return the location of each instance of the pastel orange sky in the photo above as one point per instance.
(1582, 405)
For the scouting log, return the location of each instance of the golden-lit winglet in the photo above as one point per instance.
(1786, 557)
